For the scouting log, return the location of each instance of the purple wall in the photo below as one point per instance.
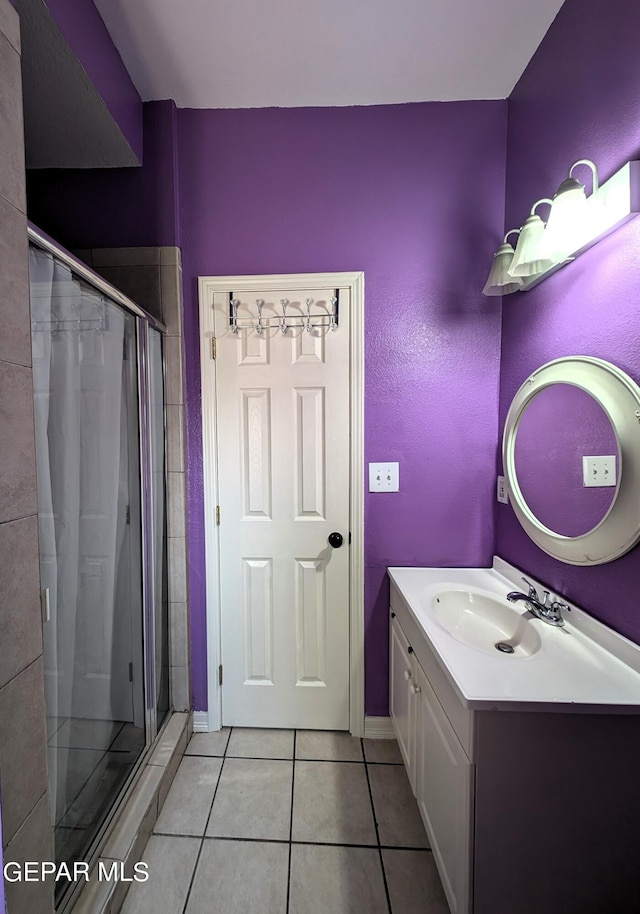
(82, 26)
(114, 207)
(578, 98)
(413, 195)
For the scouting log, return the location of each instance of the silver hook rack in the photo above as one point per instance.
(76, 314)
(285, 321)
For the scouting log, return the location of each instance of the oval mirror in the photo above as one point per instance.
(560, 426)
(574, 408)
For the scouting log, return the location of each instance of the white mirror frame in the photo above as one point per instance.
(619, 397)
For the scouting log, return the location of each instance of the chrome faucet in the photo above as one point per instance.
(549, 609)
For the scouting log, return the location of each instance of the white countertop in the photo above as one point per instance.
(584, 664)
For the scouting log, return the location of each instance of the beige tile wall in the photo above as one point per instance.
(171, 296)
(153, 279)
(23, 767)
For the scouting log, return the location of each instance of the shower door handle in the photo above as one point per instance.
(46, 605)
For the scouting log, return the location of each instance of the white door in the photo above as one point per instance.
(282, 403)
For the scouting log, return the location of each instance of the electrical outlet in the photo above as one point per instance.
(598, 471)
(503, 494)
(384, 477)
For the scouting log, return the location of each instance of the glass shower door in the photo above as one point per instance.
(89, 511)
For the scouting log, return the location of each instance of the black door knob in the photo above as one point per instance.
(335, 540)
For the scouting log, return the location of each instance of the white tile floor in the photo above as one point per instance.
(289, 822)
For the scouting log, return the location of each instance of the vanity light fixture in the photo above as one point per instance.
(576, 222)
(500, 281)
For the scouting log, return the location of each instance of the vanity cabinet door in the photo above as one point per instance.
(402, 699)
(444, 791)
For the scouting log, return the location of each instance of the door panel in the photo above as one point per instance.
(283, 463)
(311, 622)
(444, 793)
(310, 444)
(256, 453)
(257, 593)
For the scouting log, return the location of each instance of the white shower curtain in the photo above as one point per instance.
(83, 492)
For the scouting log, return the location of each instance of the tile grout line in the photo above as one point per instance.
(307, 843)
(204, 833)
(40, 655)
(58, 728)
(375, 822)
(68, 807)
(110, 746)
(282, 758)
(293, 780)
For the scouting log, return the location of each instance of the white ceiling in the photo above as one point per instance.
(285, 53)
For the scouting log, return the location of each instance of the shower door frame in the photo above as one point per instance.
(144, 322)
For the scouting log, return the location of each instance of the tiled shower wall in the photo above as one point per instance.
(152, 277)
(23, 768)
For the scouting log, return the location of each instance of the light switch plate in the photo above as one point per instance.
(598, 471)
(384, 477)
(502, 493)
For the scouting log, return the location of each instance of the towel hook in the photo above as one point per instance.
(283, 325)
(234, 315)
(333, 324)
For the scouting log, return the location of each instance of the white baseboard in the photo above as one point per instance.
(200, 721)
(378, 728)
(374, 727)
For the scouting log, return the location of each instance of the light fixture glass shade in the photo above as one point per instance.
(528, 259)
(591, 218)
(568, 222)
(499, 282)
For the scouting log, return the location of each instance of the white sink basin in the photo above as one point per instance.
(463, 612)
(482, 622)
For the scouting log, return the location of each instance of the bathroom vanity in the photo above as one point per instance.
(525, 765)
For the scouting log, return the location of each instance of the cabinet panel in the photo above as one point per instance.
(401, 699)
(444, 791)
(461, 718)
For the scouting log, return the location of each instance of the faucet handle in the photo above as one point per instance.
(553, 604)
(532, 591)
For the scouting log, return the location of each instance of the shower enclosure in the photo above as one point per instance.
(100, 433)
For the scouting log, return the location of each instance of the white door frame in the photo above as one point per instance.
(207, 287)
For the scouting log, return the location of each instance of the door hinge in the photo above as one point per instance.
(220, 675)
(217, 515)
(130, 672)
(128, 520)
(213, 347)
